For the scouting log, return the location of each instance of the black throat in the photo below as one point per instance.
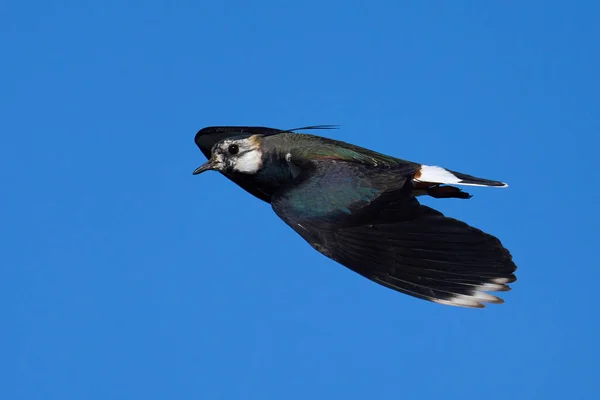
(274, 173)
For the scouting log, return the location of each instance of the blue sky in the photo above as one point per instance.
(124, 276)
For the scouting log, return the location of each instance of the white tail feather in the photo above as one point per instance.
(433, 174)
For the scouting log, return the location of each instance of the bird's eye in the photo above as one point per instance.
(233, 149)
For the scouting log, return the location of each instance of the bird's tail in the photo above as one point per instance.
(433, 174)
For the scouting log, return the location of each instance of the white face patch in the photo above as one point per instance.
(241, 155)
(249, 162)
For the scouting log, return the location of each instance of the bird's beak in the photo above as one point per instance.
(210, 164)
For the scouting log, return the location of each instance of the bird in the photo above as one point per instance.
(359, 208)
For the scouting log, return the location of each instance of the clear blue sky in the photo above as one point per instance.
(123, 276)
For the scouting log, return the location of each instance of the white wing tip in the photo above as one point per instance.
(478, 298)
(460, 301)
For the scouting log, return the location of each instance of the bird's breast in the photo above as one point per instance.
(274, 174)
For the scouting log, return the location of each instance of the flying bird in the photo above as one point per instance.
(359, 207)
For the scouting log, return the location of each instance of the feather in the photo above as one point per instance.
(433, 174)
(391, 239)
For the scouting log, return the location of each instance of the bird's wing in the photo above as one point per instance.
(367, 219)
(330, 149)
(337, 150)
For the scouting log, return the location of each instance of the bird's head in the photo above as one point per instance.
(234, 155)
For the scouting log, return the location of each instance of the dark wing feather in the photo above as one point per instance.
(367, 219)
(330, 149)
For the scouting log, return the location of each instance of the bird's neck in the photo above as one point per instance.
(275, 171)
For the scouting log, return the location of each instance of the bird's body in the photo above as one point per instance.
(359, 208)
